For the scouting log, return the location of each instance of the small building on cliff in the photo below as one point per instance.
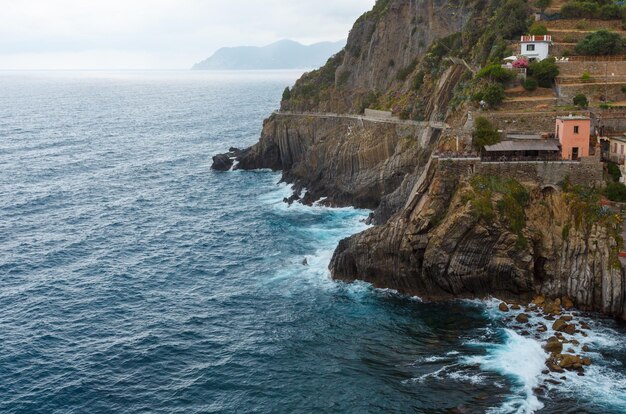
(522, 150)
(535, 48)
(573, 133)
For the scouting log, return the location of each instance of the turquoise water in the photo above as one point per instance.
(134, 279)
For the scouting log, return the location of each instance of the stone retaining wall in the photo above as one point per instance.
(587, 172)
(573, 68)
(593, 92)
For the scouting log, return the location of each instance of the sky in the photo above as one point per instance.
(158, 34)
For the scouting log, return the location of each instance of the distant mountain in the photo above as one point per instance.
(284, 54)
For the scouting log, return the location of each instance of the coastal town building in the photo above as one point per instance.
(535, 48)
(522, 150)
(573, 133)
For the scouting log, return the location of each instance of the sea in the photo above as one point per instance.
(134, 279)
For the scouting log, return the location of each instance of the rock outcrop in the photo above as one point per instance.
(438, 235)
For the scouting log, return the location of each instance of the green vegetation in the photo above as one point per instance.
(530, 84)
(586, 77)
(595, 9)
(537, 29)
(418, 81)
(313, 86)
(616, 192)
(601, 42)
(491, 93)
(624, 88)
(404, 73)
(369, 101)
(496, 73)
(586, 212)
(484, 133)
(614, 171)
(286, 94)
(545, 72)
(543, 4)
(580, 100)
(378, 11)
(512, 200)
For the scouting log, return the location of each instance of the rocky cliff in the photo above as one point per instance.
(442, 231)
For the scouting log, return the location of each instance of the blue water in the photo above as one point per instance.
(133, 279)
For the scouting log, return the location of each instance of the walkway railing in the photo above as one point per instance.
(614, 58)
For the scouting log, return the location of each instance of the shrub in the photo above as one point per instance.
(286, 94)
(616, 192)
(418, 81)
(614, 171)
(530, 84)
(601, 42)
(543, 4)
(493, 94)
(520, 63)
(610, 12)
(544, 71)
(586, 77)
(578, 9)
(495, 72)
(580, 100)
(537, 29)
(484, 133)
(392, 63)
(512, 19)
(624, 88)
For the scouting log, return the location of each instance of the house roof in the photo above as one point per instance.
(573, 118)
(535, 39)
(530, 145)
(523, 136)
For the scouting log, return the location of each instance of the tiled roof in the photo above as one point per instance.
(531, 145)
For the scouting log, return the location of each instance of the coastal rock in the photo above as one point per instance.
(522, 318)
(222, 162)
(503, 307)
(553, 346)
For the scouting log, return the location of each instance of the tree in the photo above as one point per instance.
(580, 100)
(530, 84)
(484, 133)
(601, 42)
(512, 19)
(544, 71)
(616, 192)
(495, 72)
(286, 94)
(543, 4)
(538, 29)
(493, 94)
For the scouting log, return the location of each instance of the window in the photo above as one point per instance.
(621, 149)
(614, 148)
(576, 129)
(530, 48)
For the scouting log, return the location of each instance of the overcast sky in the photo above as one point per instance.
(158, 34)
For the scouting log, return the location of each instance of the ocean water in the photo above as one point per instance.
(133, 279)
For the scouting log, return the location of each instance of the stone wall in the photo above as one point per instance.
(372, 113)
(536, 121)
(593, 92)
(587, 172)
(598, 68)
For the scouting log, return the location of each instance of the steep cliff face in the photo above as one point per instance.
(463, 239)
(442, 230)
(347, 161)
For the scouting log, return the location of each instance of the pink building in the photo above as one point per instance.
(573, 132)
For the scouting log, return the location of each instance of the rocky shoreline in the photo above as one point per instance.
(561, 330)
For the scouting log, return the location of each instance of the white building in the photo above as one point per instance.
(536, 48)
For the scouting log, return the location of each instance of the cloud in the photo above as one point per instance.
(53, 34)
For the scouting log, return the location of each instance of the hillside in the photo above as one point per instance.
(436, 234)
(284, 54)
